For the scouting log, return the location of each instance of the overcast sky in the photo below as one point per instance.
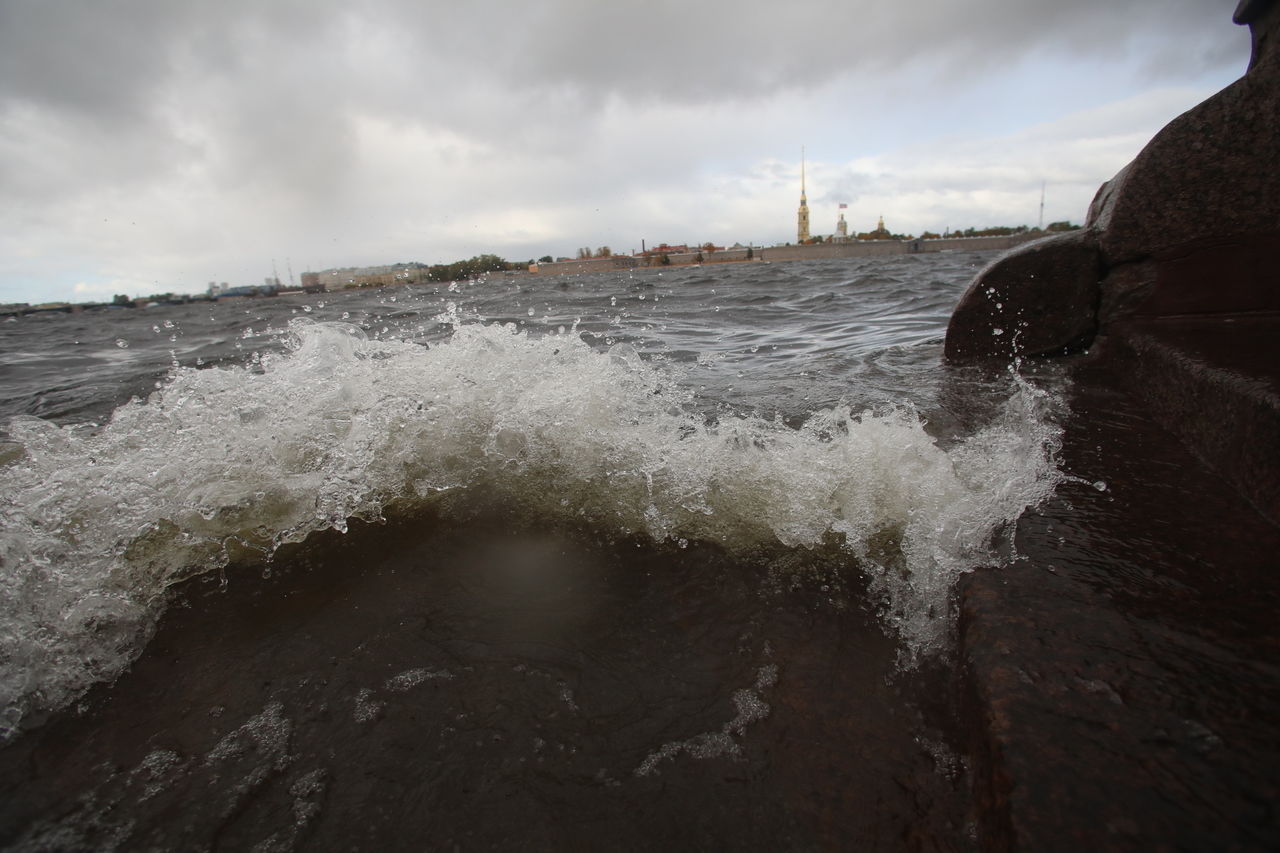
(158, 145)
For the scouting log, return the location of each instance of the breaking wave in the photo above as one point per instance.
(226, 464)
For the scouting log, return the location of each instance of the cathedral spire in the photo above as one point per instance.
(802, 216)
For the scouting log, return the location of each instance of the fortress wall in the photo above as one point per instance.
(726, 255)
(942, 244)
(883, 248)
(583, 265)
(822, 251)
(817, 251)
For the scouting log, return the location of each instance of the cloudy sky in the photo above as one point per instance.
(158, 145)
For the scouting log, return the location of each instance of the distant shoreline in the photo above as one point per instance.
(816, 251)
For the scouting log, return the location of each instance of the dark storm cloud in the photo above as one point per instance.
(245, 84)
(81, 58)
(115, 59)
(697, 51)
(117, 94)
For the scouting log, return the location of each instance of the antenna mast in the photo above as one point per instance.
(1041, 225)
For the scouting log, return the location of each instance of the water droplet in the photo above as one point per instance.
(1100, 485)
(530, 312)
(122, 343)
(997, 331)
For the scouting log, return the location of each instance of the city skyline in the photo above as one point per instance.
(160, 151)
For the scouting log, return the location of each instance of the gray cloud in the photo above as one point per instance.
(113, 60)
(260, 111)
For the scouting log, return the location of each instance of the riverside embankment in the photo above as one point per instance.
(816, 251)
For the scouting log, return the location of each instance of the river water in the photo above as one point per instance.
(631, 560)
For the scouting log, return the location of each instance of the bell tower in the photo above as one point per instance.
(802, 216)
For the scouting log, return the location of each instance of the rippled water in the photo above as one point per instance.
(602, 528)
(787, 336)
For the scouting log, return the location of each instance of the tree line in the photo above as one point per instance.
(470, 268)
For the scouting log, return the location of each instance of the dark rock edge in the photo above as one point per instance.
(1121, 686)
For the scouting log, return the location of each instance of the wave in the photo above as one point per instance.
(229, 463)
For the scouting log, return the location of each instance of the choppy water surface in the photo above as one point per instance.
(628, 553)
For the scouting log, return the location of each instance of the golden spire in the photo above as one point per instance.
(801, 173)
(802, 216)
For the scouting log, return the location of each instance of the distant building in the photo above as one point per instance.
(881, 233)
(842, 227)
(664, 249)
(342, 278)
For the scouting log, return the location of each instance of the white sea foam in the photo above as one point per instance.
(750, 707)
(99, 521)
(411, 678)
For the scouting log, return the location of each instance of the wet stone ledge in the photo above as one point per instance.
(1123, 691)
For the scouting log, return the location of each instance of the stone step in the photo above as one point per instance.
(1213, 381)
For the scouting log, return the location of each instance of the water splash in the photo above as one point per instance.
(220, 463)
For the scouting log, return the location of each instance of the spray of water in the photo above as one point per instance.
(98, 521)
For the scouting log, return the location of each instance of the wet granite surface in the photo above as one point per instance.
(1038, 299)
(1124, 674)
(406, 690)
